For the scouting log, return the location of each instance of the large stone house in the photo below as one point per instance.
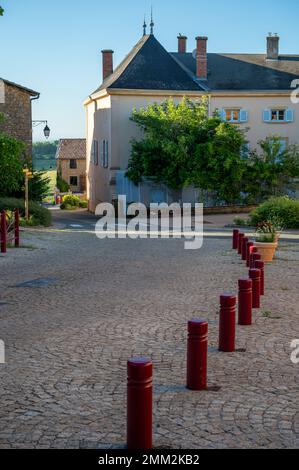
(15, 105)
(71, 163)
(252, 90)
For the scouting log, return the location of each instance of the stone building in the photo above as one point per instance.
(71, 163)
(15, 105)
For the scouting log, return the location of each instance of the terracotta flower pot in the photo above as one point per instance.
(266, 250)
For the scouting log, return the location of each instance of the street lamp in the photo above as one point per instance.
(46, 129)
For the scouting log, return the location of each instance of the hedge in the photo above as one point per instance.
(285, 209)
(39, 214)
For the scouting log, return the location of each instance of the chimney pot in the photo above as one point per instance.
(107, 55)
(182, 44)
(201, 58)
(273, 47)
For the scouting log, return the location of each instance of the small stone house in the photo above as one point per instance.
(15, 105)
(71, 163)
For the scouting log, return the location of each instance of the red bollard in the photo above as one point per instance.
(240, 238)
(254, 257)
(227, 323)
(17, 228)
(244, 248)
(250, 246)
(261, 266)
(3, 231)
(197, 354)
(255, 275)
(140, 404)
(235, 239)
(245, 302)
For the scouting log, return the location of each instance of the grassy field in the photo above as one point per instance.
(52, 174)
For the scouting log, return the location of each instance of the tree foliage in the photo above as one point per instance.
(11, 168)
(272, 172)
(1, 11)
(182, 145)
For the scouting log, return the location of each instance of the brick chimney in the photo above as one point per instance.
(182, 44)
(107, 62)
(201, 58)
(272, 47)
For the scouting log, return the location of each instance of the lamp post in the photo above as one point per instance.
(46, 129)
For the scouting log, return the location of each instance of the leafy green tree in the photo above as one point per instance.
(183, 146)
(1, 11)
(11, 168)
(271, 173)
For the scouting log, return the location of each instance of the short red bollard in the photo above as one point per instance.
(244, 248)
(254, 257)
(245, 302)
(17, 228)
(3, 231)
(250, 246)
(261, 266)
(240, 238)
(235, 239)
(140, 404)
(255, 275)
(227, 323)
(197, 354)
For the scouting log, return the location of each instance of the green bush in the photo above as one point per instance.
(71, 200)
(67, 207)
(83, 204)
(283, 208)
(39, 215)
(62, 185)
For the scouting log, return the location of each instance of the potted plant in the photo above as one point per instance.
(267, 236)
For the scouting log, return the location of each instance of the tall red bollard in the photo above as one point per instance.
(197, 354)
(3, 231)
(140, 404)
(244, 248)
(235, 239)
(17, 228)
(245, 302)
(240, 238)
(250, 246)
(227, 323)
(254, 257)
(255, 275)
(261, 266)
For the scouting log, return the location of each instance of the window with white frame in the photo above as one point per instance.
(278, 115)
(234, 115)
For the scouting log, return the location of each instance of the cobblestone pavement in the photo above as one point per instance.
(67, 343)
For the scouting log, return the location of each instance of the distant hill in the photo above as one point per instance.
(43, 155)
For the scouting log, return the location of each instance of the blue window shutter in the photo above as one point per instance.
(107, 154)
(221, 114)
(267, 115)
(289, 116)
(243, 115)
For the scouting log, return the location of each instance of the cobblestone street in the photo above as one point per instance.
(68, 340)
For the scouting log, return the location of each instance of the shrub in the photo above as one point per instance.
(67, 207)
(83, 204)
(71, 200)
(283, 208)
(39, 215)
(62, 185)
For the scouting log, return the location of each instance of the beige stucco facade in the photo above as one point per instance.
(108, 117)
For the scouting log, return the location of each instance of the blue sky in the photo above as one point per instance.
(54, 47)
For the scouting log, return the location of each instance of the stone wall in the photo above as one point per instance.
(17, 112)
